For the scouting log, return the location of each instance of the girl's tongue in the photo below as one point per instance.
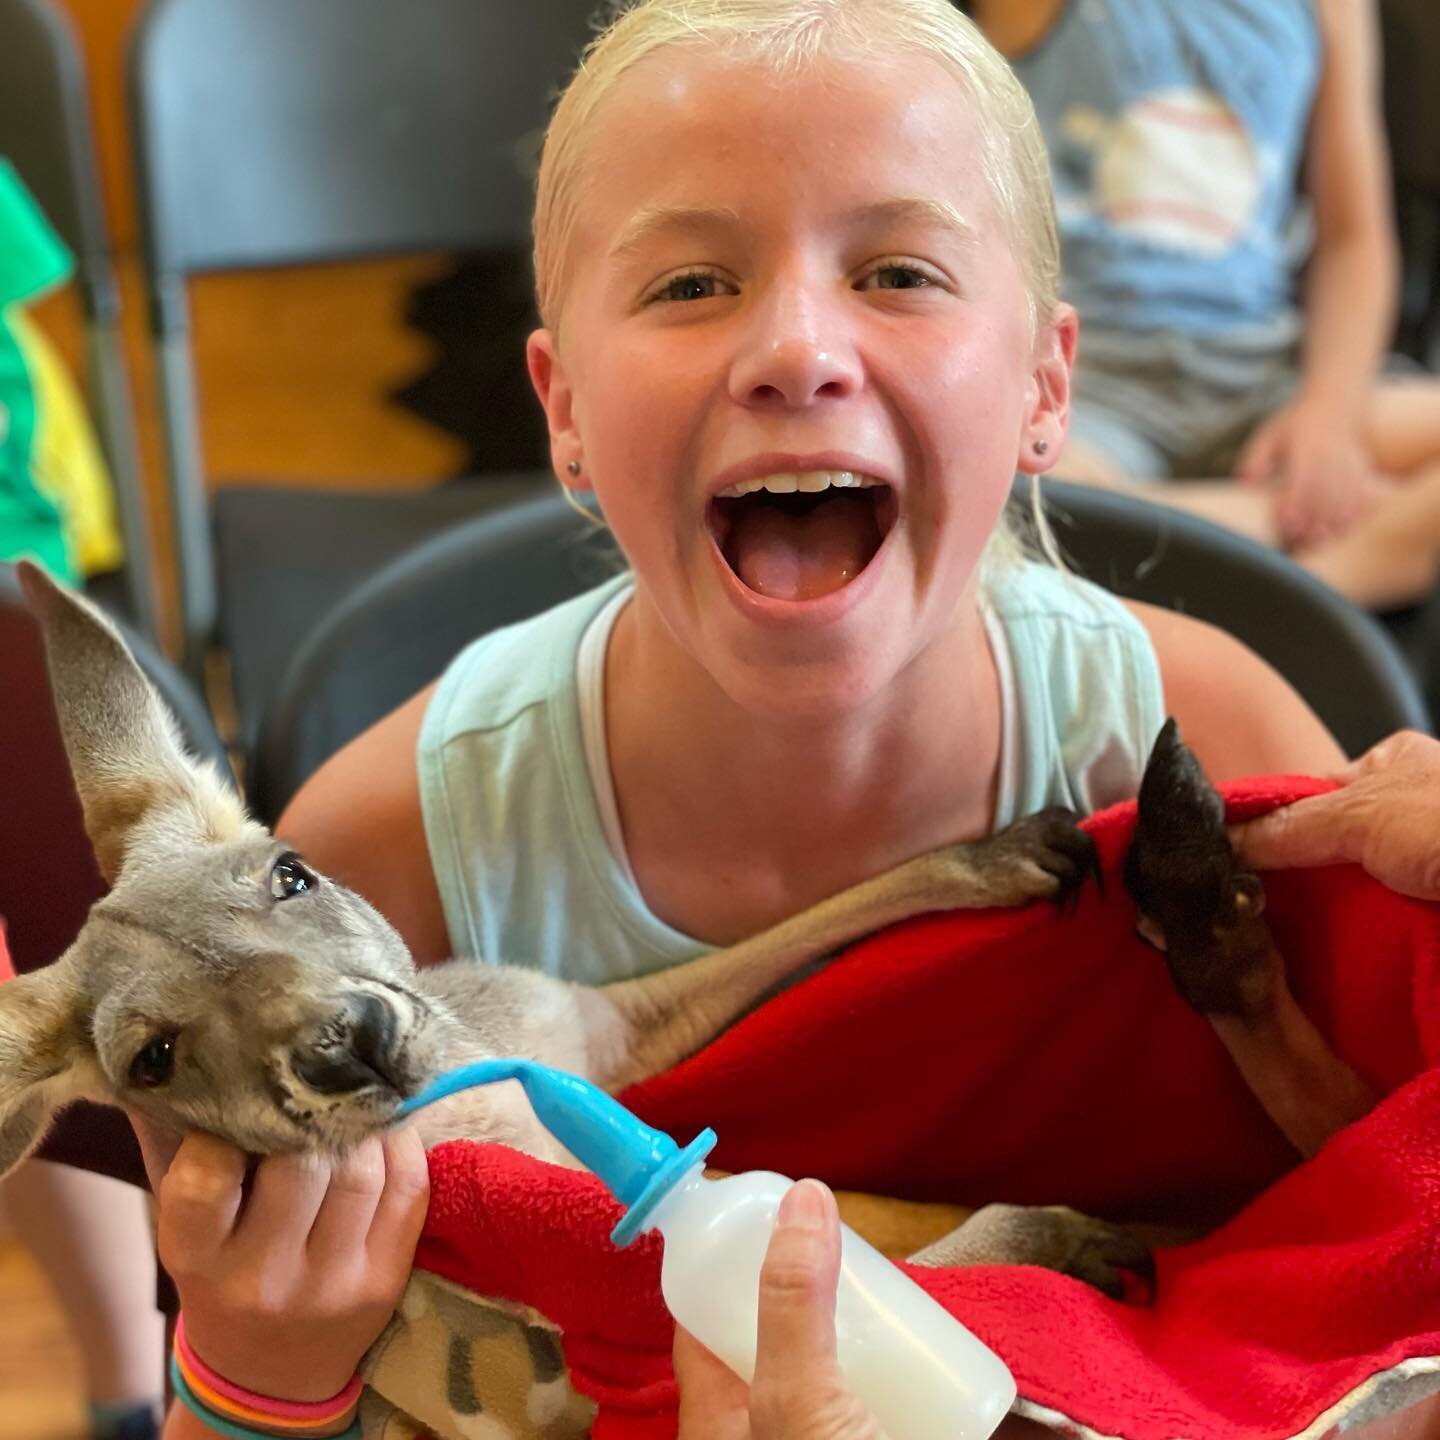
(801, 548)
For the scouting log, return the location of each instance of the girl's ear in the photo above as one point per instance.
(1043, 436)
(547, 374)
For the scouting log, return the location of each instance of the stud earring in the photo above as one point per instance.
(1041, 447)
(573, 468)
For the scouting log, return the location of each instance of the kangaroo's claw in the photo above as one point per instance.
(1059, 854)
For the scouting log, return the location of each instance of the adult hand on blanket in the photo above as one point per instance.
(286, 1280)
(1385, 816)
(798, 1392)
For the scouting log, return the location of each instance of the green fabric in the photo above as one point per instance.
(30, 523)
(33, 258)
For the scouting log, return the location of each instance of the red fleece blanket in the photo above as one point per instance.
(1034, 1057)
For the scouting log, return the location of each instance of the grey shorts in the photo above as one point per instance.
(1165, 405)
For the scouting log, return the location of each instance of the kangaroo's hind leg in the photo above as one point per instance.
(1050, 1236)
(1205, 911)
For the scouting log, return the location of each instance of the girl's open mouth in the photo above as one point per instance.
(798, 537)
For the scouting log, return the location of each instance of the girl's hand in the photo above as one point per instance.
(1320, 470)
(287, 1281)
(798, 1392)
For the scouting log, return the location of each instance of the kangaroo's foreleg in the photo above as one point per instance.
(636, 1028)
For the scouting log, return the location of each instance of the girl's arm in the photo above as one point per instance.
(358, 820)
(1238, 715)
(1314, 447)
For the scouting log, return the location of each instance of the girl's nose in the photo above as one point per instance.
(796, 353)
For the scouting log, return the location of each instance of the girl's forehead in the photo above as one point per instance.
(692, 125)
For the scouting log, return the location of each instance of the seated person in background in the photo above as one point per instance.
(1185, 141)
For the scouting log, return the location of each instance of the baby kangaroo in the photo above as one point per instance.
(1206, 912)
(224, 985)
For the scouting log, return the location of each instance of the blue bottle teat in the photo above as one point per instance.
(638, 1165)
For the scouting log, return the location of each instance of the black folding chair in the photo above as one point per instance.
(1337, 656)
(271, 132)
(45, 131)
(393, 635)
(1411, 30)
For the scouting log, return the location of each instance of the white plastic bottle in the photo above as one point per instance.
(923, 1375)
(921, 1372)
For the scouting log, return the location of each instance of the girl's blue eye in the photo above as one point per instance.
(694, 286)
(899, 277)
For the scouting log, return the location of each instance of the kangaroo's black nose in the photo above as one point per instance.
(362, 1058)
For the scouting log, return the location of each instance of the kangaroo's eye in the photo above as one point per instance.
(155, 1064)
(290, 878)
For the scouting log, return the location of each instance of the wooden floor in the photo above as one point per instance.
(40, 1385)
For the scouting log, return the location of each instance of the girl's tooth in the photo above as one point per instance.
(808, 482)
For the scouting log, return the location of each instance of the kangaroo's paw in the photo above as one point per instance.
(1197, 902)
(1045, 856)
(1049, 1236)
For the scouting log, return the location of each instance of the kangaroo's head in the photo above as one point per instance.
(222, 984)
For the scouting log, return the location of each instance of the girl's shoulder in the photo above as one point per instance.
(503, 673)
(1036, 593)
(1238, 714)
(1093, 671)
(361, 817)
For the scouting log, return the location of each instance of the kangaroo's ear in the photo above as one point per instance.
(44, 1057)
(129, 764)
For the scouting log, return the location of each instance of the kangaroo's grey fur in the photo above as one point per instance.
(301, 1022)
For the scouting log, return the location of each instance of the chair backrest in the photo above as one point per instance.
(396, 633)
(271, 132)
(1331, 651)
(45, 130)
(48, 878)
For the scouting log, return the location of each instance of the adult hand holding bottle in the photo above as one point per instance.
(798, 1392)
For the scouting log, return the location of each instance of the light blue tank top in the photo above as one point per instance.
(1176, 129)
(516, 837)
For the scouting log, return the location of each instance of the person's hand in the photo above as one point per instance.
(798, 1392)
(287, 1281)
(1319, 468)
(1385, 816)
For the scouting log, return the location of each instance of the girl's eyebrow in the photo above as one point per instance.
(666, 219)
(917, 210)
(703, 220)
